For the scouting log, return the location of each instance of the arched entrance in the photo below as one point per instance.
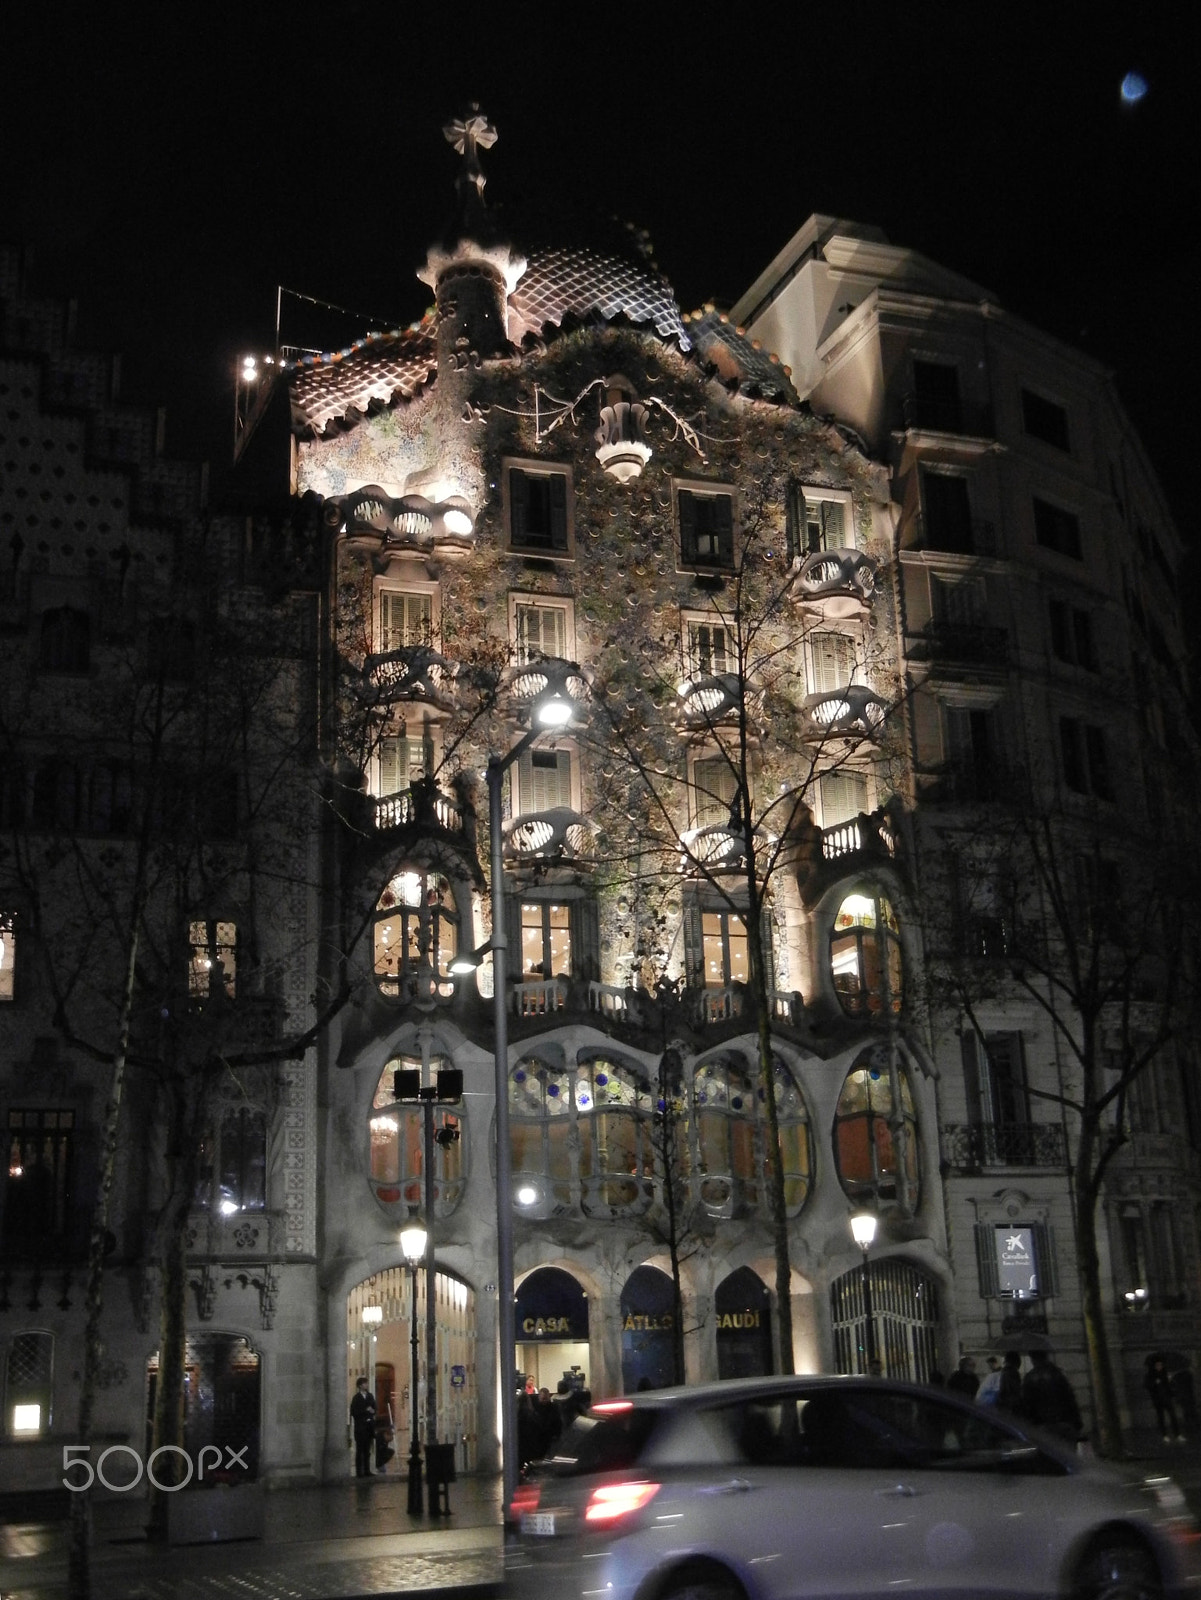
(647, 1321)
(552, 1330)
(222, 1395)
(743, 1310)
(904, 1303)
(378, 1346)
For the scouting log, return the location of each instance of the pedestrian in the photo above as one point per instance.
(1009, 1392)
(964, 1380)
(1048, 1399)
(1186, 1400)
(527, 1429)
(362, 1422)
(1158, 1385)
(990, 1384)
(548, 1423)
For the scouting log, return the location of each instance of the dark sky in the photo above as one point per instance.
(171, 165)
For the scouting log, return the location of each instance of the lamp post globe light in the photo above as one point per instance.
(863, 1230)
(412, 1243)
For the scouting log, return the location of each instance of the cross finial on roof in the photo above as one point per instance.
(468, 136)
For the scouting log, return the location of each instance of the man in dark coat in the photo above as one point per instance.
(964, 1380)
(1048, 1399)
(362, 1420)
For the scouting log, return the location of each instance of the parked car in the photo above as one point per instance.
(777, 1489)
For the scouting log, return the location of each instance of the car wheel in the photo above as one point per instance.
(702, 1586)
(1119, 1570)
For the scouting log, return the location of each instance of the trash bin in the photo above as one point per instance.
(440, 1474)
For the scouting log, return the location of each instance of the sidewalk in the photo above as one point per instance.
(332, 1542)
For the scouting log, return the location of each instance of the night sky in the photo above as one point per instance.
(169, 166)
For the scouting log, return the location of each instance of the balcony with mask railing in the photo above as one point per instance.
(969, 1147)
(559, 834)
(709, 698)
(539, 679)
(414, 673)
(372, 517)
(835, 583)
(855, 712)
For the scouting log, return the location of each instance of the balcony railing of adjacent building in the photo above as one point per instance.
(948, 415)
(977, 645)
(856, 712)
(842, 582)
(970, 536)
(238, 1234)
(423, 805)
(969, 1146)
(416, 672)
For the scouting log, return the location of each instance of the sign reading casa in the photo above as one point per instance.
(546, 1327)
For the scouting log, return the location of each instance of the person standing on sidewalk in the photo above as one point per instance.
(1158, 1385)
(362, 1422)
(1049, 1400)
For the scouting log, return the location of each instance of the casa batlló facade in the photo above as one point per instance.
(554, 488)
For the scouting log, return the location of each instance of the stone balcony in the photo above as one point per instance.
(402, 522)
(559, 834)
(415, 673)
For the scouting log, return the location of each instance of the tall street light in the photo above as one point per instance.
(550, 710)
(412, 1242)
(863, 1227)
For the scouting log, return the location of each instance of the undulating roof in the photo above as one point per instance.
(343, 385)
(562, 284)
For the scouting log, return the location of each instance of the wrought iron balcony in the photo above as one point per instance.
(416, 672)
(856, 712)
(559, 834)
(841, 582)
(976, 645)
(969, 1146)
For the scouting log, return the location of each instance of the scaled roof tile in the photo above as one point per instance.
(326, 389)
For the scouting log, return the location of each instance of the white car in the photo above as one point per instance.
(779, 1489)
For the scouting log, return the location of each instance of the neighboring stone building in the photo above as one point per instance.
(782, 653)
(1039, 582)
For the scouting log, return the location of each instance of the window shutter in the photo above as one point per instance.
(1044, 1254)
(687, 512)
(723, 522)
(390, 764)
(519, 499)
(558, 511)
(972, 1077)
(585, 939)
(694, 953)
(986, 1260)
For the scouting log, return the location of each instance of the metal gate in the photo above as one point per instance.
(905, 1313)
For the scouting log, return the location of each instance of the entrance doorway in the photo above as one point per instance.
(647, 1331)
(904, 1312)
(378, 1347)
(743, 1308)
(552, 1330)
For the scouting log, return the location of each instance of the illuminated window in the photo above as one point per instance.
(397, 1144)
(406, 618)
(402, 761)
(828, 524)
(706, 527)
(616, 1153)
(710, 648)
(8, 955)
(865, 955)
(545, 939)
(541, 1134)
(730, 1121)
(544, 781)
(416, 930)
(37, 1189)
(714, 788)
(233, 1163)
(541, 629)
(592, 1121)
(875, 1134)
(29, 1384)
(843, 796)
(538, 502)
(831, 662)
(725, 950)
(213, 961)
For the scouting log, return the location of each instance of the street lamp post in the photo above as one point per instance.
(863, 1227)
(552, 710)
(412, 1242)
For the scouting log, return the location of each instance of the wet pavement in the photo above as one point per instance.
(333, 1542)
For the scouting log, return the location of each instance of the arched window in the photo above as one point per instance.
(730, 1118)
(616, 1153)
(540, 1129)
(865, 955)
(416, 933)
(398, 1145)
(875, 1133)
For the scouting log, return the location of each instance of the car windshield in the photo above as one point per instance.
(609, 1443)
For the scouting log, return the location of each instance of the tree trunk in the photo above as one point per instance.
(172, 1363)
(774, 1169)
(1108, 1440)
